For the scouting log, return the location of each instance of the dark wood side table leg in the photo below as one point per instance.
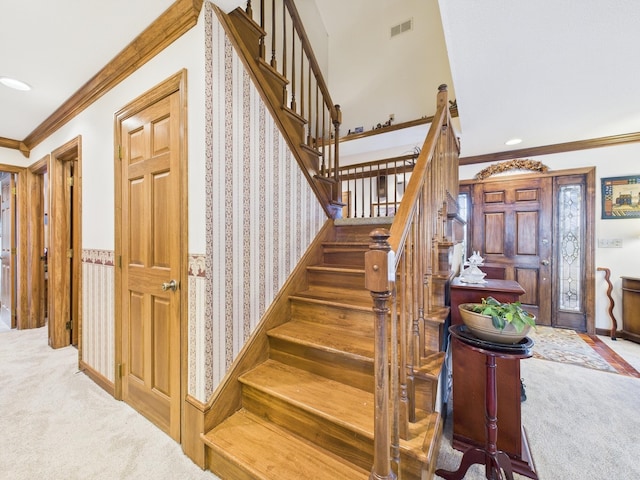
(495, 461)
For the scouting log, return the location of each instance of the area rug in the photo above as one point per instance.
(566, 346)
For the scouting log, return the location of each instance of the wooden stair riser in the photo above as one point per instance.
(225, 466)
(353, 279)
(426, 391)
(338, 439)
(355, 447)
(243, 448)
(432, 336)
(359, 233)
(347, 369)
(353, 319)
(347, 255)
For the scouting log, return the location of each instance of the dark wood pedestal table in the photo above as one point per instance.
(495, 461)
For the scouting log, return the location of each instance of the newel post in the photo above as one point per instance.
(377, 282)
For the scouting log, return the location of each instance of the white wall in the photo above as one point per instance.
(96, 126)
(10, 156)
(609, 162)
(372, 75)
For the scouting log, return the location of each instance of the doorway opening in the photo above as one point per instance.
(64, 248)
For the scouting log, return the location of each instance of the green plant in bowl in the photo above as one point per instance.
(503, 313)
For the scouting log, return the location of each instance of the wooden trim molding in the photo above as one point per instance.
(453, 110)
(102, 381)
(15, 144)
(173, 23)
(193, 423)
(556, 148)
(519, 164)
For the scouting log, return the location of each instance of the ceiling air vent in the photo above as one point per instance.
(401, 28)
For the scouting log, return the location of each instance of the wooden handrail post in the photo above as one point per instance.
(377, 282)
(337, 120)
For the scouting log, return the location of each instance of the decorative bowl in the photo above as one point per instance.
(482, 327)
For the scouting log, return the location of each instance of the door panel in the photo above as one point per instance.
(150, 259)
(538, 230)
(512, 230)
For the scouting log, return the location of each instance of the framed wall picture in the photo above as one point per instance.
(621, 197)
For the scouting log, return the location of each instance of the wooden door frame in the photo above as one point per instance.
(21, 266)
(590, 212)
(176, 83)
(58, 247)
(35, 248)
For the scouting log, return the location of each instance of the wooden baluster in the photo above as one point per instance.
(284, 52)
(406, 373)
(262, 47)
(293, 104)
(372, 186)
(274, 62)
(336, 125)
(302, 82)
(330, 149)
(324, 142)
(317, 113)
(377, 282)
(309, 137)
(249, 10)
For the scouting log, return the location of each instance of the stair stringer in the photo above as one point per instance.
(330, 437)
(290, 126)
(227, 398)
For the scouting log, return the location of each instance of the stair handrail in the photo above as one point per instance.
(334, 110)
(305, 93)
(398, 272)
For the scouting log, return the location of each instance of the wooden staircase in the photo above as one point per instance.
(302, 107)
(307, 412)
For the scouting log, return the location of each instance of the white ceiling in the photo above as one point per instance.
(548, 71)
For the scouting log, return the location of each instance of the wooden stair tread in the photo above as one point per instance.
(438, 315)
(335, 268)
(356, 299)
(431, 365)
(267, 452)
(347, 245)
(326, 337)
(341, 404)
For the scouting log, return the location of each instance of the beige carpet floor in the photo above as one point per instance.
(582, 423)
(57, 424)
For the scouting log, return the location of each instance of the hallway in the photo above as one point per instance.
(57, 424)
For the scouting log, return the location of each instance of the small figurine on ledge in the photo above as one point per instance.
(473, 274)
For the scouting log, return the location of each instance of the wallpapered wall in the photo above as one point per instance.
(261, 214)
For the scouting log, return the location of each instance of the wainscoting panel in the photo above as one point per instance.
(261, 215)
(98, 311)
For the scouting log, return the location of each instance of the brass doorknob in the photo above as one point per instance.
(545, 262)
(171, 285)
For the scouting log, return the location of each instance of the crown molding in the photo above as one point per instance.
(550, 149)
(173, 23)
(15, 144)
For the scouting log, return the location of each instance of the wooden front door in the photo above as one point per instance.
(7, 276)
(150, 245)
(512, 230)
(534, 229)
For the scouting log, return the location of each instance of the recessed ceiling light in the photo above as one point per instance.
(513, 141)
(15, 84)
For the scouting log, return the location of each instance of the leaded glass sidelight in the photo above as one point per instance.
(570, 269)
